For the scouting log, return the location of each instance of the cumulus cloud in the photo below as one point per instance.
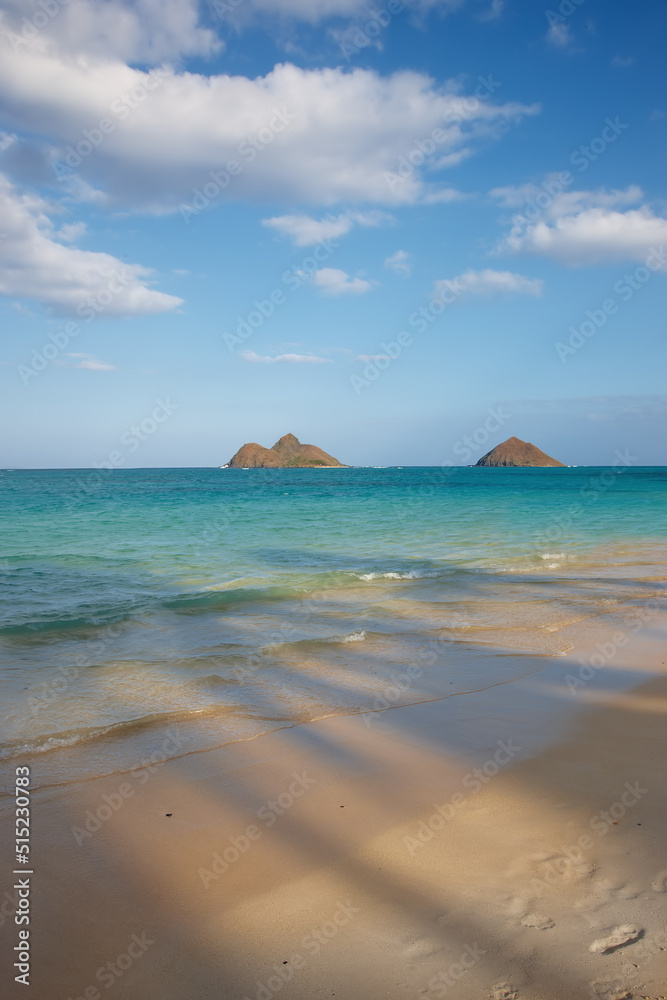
(489, 282)
(307, 136)
(33, 265)
(333, 281)
(306, 231)
(294, 359)
(584, 227)
(138, 31)
(399, 262)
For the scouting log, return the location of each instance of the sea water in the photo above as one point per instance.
(168, 610)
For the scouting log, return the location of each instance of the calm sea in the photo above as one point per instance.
(166, 610)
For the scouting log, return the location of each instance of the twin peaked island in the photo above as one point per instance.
(289, 453)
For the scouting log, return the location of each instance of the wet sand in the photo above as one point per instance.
(471, 847)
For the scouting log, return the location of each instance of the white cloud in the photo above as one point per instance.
(70, 232)
(623, 62)
(295, 359)
(534, 199)
(443, 196)
(333, 281)
(306, 231)
(399, 262)
(34, 266)
(323, 136)
(560, 36)
(584, 227)
(138, 31)
(91, 363)
(494, 12)
(488, 283)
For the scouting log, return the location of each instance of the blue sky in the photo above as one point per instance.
(387, 228)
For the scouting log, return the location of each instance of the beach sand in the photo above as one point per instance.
(364, 857)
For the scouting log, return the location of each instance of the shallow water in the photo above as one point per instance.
(203, 605)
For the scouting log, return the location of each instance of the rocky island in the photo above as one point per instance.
(287, 453)
(515, 453)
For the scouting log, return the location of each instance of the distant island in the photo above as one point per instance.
(516, 453)
(287, 453)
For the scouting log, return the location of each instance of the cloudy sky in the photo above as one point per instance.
(382, 226)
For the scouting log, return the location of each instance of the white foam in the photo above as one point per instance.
(354, 636)
(412, 575)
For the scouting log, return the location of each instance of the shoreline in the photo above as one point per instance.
(354, 857)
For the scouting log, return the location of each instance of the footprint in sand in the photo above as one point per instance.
(659, 883)
(625, 934)
(422, 948)
(610, 991)
(503, 991)
(602, 893)
(539, 922)
(516, 906)
(519, 908)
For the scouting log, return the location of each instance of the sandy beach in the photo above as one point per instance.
(333, 548)
(473, 846)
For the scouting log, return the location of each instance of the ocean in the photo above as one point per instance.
(149, 613)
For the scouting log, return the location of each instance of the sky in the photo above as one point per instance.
(402, 231)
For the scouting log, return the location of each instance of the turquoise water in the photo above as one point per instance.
(228, 602)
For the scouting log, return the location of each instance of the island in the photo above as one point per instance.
(515, 453)
(287, 453)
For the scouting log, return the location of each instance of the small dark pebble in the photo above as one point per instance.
(169, 814)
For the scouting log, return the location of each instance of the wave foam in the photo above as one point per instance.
(411, 575)
(354, 636)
